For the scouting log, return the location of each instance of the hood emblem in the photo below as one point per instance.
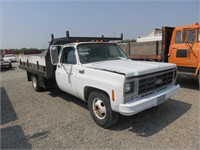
(159, 81)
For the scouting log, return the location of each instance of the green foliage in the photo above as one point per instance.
(22, 50)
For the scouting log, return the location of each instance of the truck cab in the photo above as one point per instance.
(184, 49)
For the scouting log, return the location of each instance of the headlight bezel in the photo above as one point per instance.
(131, 94)
(129, 88)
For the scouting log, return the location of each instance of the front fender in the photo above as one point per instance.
(104, 81)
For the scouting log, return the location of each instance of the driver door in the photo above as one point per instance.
(66, 71)
(181, 53)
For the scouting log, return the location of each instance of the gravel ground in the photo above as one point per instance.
(56, 120)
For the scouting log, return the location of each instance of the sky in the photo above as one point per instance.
(29, 23)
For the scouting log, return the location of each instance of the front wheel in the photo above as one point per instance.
(35, 84)
(100, 109)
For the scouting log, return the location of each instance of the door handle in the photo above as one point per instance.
(174, 47)
(59, 66)
(81, 71)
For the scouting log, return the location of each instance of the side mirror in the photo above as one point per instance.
(54, 55)
(183, 35)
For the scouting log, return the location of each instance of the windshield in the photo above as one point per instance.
(199, 35)
(94, 52)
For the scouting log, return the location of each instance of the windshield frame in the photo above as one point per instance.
(122, 54)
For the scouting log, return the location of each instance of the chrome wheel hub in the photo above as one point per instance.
(99, 108)
(34, 82)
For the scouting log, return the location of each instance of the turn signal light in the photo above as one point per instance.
(113, 95)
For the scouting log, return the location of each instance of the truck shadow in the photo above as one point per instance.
(188, 82)
(153, 120)
(7, 111)
(12, 137)
(146, 123)
(68, 97)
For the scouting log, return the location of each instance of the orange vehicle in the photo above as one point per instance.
(184, 49)
(179, 45)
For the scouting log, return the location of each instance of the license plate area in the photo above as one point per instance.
(161, 99)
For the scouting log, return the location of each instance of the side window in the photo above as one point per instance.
(190, 35)
(178, 37)
(68, 55)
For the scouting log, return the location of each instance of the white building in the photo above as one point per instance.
(156, 35)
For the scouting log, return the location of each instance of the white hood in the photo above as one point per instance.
(129, 67)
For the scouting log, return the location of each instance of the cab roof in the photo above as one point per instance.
(193, 26)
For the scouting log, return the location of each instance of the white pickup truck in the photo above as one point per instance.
(101, 74)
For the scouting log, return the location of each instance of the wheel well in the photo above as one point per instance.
(88, 90)
(29, 75)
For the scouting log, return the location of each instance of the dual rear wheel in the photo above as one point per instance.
(35, 83)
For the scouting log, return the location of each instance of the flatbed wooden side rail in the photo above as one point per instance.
(33, 68)
(145, 57)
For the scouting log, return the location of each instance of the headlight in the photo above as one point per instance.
(129, 88)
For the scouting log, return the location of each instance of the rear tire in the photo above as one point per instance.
(100, 109)
(10, 66)
(35, 84)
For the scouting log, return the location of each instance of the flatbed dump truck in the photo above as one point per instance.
(179, 45)
(99, 72)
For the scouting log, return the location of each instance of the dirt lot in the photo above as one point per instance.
(53, 119)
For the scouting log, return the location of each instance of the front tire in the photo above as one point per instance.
(35, 84)
(100, 109)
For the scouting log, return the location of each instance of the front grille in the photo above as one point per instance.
(154, 82)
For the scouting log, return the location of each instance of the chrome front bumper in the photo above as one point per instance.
(132, 108)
